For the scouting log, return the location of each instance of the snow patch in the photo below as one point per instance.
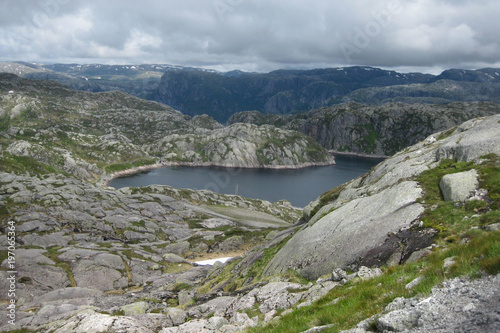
(212, 261)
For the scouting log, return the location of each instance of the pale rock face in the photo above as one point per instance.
(242, 145)
(342, 236)
(137, 308)
(16, 110)
(373, 129)
(19, 148)
(457, 306)
(382, 201)
(458, 187)
(472, 139)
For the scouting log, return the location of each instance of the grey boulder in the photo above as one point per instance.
(458, 187)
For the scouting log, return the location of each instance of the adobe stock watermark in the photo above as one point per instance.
(363, 36)
(11, 273)
(222, 7)
(221, 179)
(46, 10)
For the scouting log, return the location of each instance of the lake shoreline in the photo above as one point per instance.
(298, 186)
(107, 179)
(343, 153)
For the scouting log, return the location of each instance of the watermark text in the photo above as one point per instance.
(11, 273)
(363, 36)
(222, 7)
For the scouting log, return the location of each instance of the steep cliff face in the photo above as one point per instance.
(278, 92)
(242, 145)
(284, 92)
(373, 130)
(345, 225)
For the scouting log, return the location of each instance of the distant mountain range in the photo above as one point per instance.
(138, 80)
(195, 91)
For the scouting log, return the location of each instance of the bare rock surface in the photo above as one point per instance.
(459, 305)
(362, 223)
(243, 145)
(340, 230)
(460, 186)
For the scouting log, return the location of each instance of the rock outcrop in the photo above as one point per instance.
(379, 130)
(242, 145)
(344, 227)
(348, 232)
(460, 305)
(459, 186)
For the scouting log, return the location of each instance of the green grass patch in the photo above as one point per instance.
(118, 313)
(53, 253)
(141, 223)
(490, 178)
(4, 254)
(4, 213)
(181, 286)
(171, 268)
(327, 198)
(213, 282)
(430, 179)
(446, 134)
(231, 281)
(490, 218)
(22, 164)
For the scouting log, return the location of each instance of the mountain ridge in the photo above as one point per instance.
(196, 91)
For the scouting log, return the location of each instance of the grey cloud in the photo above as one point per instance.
(254, 34)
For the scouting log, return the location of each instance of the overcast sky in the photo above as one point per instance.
(255, 35)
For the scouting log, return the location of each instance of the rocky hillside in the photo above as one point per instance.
(95, 259)
(372, 130)
(93, 135)
(387, 201)
(138, 80)
(243, 145)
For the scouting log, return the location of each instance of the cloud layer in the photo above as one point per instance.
(255, 35)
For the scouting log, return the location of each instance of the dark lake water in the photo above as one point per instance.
(299, 186)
